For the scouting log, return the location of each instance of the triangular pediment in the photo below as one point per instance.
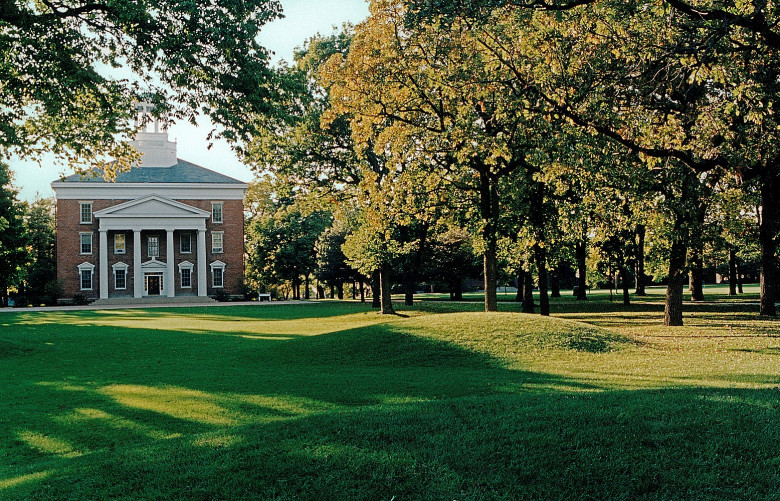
(153, 265)
(152, 206)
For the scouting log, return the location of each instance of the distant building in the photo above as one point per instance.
(165, 228)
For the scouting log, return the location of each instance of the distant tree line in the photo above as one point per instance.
(596, 142)
(27, 261)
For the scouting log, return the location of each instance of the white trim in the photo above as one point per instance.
(130, 191)
(91, 269)
(221, 206)
(153, 265)
(116, 210)
(120, 267)
(91, 211)
(221, 266)
(148, 246)
(91, 243)
(123, 251)
(222, 238)
(189, 234)
(185, 265)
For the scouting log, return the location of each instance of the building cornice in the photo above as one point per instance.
(129, 191)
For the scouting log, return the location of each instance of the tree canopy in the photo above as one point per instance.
(71, 71)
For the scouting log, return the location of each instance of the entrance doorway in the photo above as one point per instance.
(154, 284)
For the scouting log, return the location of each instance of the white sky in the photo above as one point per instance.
(303, 18)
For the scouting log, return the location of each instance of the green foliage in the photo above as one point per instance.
(184, 56)
(13, 239)
(40, 266)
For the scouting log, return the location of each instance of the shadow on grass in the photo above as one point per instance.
(365, 413)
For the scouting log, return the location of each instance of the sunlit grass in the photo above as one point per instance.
(333, 401)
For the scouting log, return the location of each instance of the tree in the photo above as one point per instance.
(332, 268)
(41, 270)
(283, 246)
(677, 82)
(185, 57)
(434, 92)
(13, 252)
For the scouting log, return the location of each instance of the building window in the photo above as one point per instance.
(185, 243)
(185, 274)
(86, 212)
(217, 274)
(86, 243)
(85, 276)
(120, 279)
(216, 242)
(186, 278)
(86, 280)
(153, 246)
(216, 212)
(119, 243)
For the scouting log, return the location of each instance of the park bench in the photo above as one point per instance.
(262, 296)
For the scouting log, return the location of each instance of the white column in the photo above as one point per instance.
(138, 274)
(170, 282)
(201, 262)
(103, 264)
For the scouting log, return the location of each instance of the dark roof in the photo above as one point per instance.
(182, 172)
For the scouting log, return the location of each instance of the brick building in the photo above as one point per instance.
(165, 228)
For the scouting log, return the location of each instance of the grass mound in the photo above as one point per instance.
(512, 336)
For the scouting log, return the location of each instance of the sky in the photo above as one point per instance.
(303, 18)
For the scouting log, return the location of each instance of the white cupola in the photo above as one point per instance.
(152, 139)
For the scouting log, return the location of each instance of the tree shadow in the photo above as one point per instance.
(373, 412)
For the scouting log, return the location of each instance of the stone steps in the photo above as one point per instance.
(152, 300)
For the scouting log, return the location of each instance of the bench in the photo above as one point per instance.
(262, 296)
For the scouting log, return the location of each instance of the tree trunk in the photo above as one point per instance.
(528, 293)
(320, 292)
(409, 287)
(640, 260)
(696, 282)
(580, 249)
(362, 291)
(296, 289)
(340, 290)
(767, 237)
(375, 290)
(306, 292)
(488, 205)
(540, 256)
(674, 290)
(555, 283)
(624, 281)
(456, 289)
(732, 272)
(739, 278)
(520, 280)
(384, 285)
(332, 291)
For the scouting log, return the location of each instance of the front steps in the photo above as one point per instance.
(153, 300)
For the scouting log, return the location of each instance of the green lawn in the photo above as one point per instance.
(333, 401)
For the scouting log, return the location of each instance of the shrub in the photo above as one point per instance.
(80, 300)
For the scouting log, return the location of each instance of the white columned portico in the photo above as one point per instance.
(155, 214)
(202, 262)
(138, 274)
(103, 264)
(170, 280)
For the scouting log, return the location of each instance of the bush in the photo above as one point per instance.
(80, 300)
(221, 296)
(21, 301)
(52, 291)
